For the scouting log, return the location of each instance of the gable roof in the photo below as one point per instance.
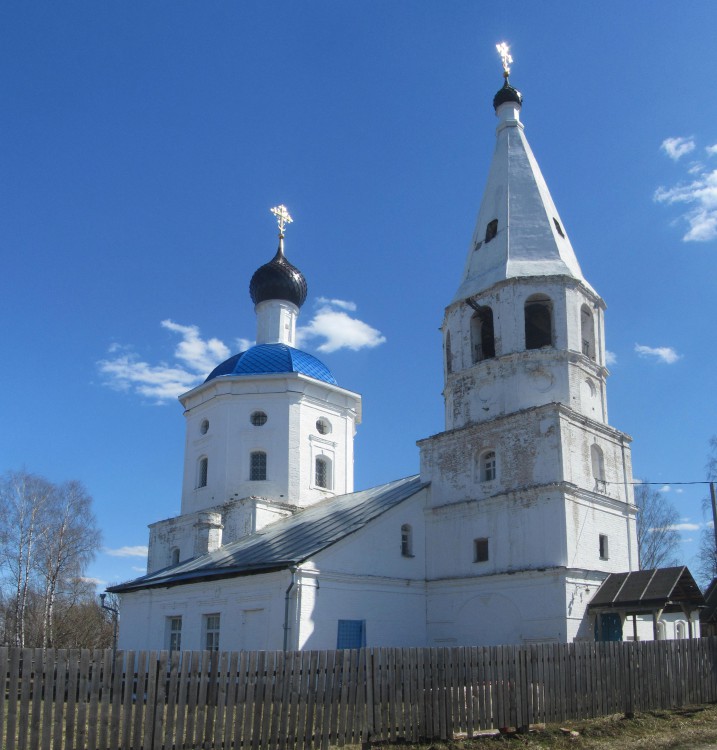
(288, 541)
(645, 590)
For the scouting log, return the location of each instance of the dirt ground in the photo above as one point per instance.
(692, 728)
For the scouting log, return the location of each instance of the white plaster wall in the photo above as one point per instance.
(527, 447)
(506, 609)
(394, 610)
(376, 549)
(251, 610)
(293, 403)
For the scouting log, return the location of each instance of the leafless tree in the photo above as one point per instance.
(67, 547)
(23, 507)
(48, 535)
(658, 540)
(707, 553)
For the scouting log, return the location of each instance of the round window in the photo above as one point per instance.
(258, 418)
(323, 426)
(204, 426)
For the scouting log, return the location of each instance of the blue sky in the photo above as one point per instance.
(142, 145)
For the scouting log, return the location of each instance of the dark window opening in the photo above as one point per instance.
(203, 472)
(603, 547)
(406, 540)
(558, 227)
(491, 230)
(538, 323)
(482, 334)
(257, 470)
(480, 551)
(449, 356)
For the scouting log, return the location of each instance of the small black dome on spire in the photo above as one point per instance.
(507, 94)
(278, 279)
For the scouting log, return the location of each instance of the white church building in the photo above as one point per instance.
(522, 508)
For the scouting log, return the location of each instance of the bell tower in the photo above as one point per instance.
(530, 486)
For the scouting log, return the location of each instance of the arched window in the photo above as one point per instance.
(449, 356)
(587, 331)
(597, 463)
(406, 540)
(257, 466)
(491, 230)
(661, 635)
(538, 322)
(202, 472)
(487, 466)
(175, 555)
(322, 472)
(680, 630)
(482, 335)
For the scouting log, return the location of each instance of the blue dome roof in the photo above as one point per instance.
(273, 358)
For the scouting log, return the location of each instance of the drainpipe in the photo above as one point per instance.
(292, 570)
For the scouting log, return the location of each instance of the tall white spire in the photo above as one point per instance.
(518, 232)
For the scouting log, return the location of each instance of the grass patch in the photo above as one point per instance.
(691, 728)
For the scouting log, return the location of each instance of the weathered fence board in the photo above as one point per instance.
(62, 700)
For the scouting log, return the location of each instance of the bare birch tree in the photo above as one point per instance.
(658, 540)
(48, 535)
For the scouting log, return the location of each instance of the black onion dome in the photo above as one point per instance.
(278, 279)
(507, 94)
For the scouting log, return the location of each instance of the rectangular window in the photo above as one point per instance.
(174, 633)
(480, 550)
(351, 634)
(603, 547)
(489, 467)
(257, 471)
(211, 632)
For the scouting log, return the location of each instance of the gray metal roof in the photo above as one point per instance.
(288, 541)
(644, 590)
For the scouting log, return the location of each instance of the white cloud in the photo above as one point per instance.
(610, 358)
(196, 358)
(331, 326)
(664, 354)
(139, 569)
(676, 148)
(93, 581)
(679, 490)
(678, 527)
(699, 194)
(340, 303)
(198, 355)
(665, 488)
(137, 550)
(338, 329)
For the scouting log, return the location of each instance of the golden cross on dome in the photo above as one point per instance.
(282, 217)
(504, 52)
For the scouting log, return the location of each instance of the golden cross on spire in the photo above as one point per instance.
(504, 52)
(282, 217)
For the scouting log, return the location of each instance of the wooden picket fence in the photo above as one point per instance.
(77, 699)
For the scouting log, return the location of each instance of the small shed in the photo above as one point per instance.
(644, 592)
